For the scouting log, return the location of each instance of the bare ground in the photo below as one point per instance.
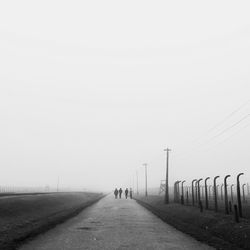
(216, 229)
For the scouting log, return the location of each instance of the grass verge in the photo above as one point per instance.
(24, 217)
(215, 229)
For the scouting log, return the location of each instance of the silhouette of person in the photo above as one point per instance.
(120, 193)
(126, 193)
(116, 193)
(130, 193)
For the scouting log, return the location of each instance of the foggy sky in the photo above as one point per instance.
(91, 90)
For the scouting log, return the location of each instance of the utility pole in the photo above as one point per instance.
(137, 191)
(146, 179)
(167, 186)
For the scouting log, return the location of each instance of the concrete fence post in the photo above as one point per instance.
(215, 194)
(199, 192)
(206, 196)
(193, 191)
(178, 190)
(182, 192)
(225, 194)
(238, 194)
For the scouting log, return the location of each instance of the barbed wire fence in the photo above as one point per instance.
(218, 196)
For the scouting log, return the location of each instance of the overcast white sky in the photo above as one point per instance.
(90, 90)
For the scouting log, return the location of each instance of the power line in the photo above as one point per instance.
(228, 116)
(207, 132)
(196, 141)
(228, 128)
(226, 139)
(221, 133)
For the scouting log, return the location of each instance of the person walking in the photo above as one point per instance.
(126, 193)
(116, 193)
(120, 193)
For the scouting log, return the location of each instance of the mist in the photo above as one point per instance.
(89, 91)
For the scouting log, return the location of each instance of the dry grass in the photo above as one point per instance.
(216, 229)
(26, 216)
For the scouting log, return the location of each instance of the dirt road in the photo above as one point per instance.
(114, 224)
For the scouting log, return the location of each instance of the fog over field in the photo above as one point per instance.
(91, 90)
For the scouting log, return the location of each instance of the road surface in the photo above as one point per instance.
(114, 224)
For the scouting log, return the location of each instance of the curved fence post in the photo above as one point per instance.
(187, 194)
(238, 194)
(225, 194)
(178, 190)
(215, 194)
(206, 196)
(193, 191)
(175, 193)
(196, 191)
(199, 192)
(182, 192)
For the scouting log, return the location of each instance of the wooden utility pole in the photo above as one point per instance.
(167, 185)
(146, 179)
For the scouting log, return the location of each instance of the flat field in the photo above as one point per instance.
(25, 216)
(216, 229)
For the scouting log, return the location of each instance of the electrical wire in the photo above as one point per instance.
(228, 116)
(218, 125)
(226, 139)
(221, 133)
(228, 128)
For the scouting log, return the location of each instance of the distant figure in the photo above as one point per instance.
(116, 193)
(126, 193)
(130, 193)
(120, 193)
